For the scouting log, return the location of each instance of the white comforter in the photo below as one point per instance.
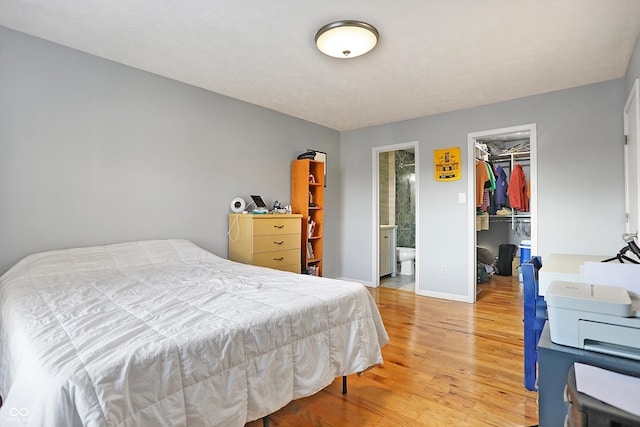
(160, 333)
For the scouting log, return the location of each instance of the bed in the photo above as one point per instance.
(164, 333)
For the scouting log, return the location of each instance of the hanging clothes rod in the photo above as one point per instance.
(507, 160)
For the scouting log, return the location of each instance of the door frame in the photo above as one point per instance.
(375, 232)
(632, 100)
(471, 189)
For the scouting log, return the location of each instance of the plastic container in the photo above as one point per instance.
(525, 251)
(525, 254)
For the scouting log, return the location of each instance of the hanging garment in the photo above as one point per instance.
(485, 200)
(518, 190)
(492, 204)
(501, 188)
(482, 176)
(492, 178)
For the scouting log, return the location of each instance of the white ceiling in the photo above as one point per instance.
(433, 55)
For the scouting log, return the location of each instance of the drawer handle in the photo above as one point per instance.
(279, 259)
(279, 226)
(278, 243)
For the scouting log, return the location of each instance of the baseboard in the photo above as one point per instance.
(440, 295)
(443, 295)
(362, 282)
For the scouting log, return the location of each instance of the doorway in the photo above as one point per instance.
(500, 228)
(632, 160)
(395, 201)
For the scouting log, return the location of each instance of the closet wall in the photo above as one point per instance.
(505, 219)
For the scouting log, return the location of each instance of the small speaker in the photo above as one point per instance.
(237, 204)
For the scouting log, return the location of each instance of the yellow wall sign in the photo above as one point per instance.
(447, 164)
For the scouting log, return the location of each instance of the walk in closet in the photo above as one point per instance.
(503, 201)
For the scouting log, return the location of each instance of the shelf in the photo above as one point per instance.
(481, 153)
(514, 154)
(304, 192)
(511, 157)
(513, 219)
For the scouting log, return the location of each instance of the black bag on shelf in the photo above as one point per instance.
(307, 155)
(506, 252)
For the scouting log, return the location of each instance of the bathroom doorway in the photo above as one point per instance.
(395, 226)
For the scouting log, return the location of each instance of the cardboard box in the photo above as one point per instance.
(484, 221)
(514, 266)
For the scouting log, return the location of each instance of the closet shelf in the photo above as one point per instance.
(518, 156)
(513, 219)
(515, 154)
(482, 153)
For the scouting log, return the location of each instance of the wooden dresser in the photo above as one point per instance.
(267, 240)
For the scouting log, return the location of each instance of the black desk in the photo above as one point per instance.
(554, 362)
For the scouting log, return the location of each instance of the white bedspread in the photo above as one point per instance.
(162, 332)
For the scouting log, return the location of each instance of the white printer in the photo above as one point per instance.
(599, 318)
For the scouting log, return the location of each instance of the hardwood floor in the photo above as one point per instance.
(447, 364)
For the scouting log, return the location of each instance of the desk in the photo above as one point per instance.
(554, 362)
(564, 267)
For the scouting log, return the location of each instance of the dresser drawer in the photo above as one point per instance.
(277, 259)
(266, 240)
(276, 242)
(269, 226)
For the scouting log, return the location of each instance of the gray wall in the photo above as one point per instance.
(94, 152)
(580, 180)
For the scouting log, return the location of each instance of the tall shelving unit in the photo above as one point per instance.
(307, 199)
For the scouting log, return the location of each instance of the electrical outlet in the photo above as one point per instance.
(443, 268)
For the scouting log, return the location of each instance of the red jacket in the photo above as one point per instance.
(518, 198)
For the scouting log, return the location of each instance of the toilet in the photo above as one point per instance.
(407, 257)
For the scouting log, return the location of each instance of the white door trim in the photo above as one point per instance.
(471, 190)
(375, 232)
(632, 100)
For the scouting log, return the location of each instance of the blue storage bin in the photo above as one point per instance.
(525, 251)
(525, 255)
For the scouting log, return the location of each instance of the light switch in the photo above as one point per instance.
(462, 197)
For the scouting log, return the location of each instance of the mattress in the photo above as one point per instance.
(164, 333)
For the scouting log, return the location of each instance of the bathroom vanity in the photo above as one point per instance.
(387, 253)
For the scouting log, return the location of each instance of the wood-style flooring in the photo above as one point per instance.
(447, 364)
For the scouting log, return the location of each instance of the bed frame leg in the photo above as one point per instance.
(265, 420)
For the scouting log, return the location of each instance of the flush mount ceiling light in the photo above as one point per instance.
(346, 39)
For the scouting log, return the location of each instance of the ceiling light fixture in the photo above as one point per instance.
(346, 39)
